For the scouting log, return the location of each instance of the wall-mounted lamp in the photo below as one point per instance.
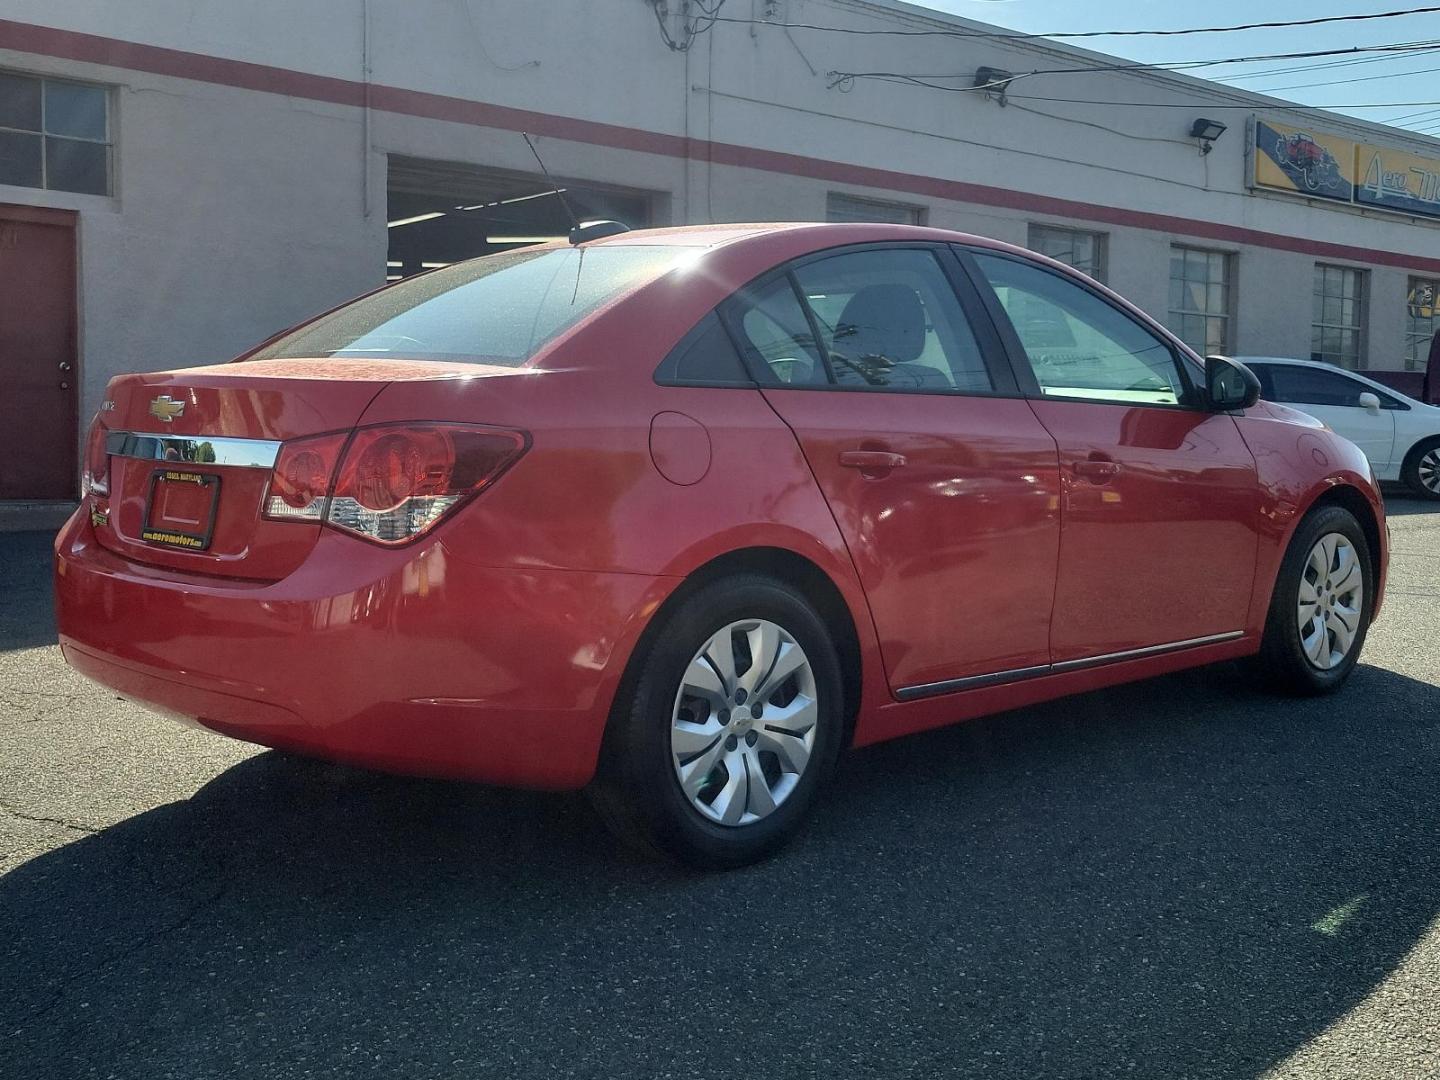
(1207, 131)
(994, 81)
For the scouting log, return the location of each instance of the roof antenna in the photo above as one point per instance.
(580, 231)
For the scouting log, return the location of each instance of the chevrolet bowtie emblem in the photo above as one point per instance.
(166, 408)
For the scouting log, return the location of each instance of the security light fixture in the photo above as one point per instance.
(994, 81)
(1207, 131)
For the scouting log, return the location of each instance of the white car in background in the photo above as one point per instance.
(1400, 436)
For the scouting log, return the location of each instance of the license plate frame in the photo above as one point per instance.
(169, 535)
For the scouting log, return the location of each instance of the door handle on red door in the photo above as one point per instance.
(1097, 470)
(871, 462)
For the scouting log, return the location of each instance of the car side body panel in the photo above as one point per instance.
(493, 647)
(1299, 461)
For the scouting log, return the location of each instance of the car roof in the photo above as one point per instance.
(824, 233)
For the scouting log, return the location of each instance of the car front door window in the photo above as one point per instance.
(1077, 344)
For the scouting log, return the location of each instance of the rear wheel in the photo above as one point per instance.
(731, 722)
(1320, 610)
(1421, 472)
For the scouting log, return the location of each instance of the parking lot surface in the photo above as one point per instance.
(1180, 878)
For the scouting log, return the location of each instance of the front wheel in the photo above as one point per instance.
(731, 721)
(1320, 610)
(1422, 470)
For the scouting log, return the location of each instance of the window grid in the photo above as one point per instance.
(1338, 326)
(1421, 321)
(47, 136)
(1200, 298)
(1076, 248)
(840, 207)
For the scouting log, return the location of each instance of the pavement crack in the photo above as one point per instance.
(189, 914)
(89, 830)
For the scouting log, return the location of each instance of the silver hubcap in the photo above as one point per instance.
(744, 722)
(1429, 469)
(1332, 596)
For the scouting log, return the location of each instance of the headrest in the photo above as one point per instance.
(882, 320)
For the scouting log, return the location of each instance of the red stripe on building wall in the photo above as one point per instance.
(112, 52)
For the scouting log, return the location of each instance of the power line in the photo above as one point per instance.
(845, 79)
(1209, 104)
(1017, 36)
(1343, 82)
(1329, 64)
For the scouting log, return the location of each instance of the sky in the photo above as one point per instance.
(1414, 77)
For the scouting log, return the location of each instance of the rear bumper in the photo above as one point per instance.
(409, 661)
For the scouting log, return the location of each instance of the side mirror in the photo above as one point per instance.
(1229, 385)
(1370, 403)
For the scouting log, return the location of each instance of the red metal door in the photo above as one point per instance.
(39, 379)
(950, 508)
(1159, 534)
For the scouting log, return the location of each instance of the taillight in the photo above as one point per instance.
(95, 478)
(392, 482)
(300, 483)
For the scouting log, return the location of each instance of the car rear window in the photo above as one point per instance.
(497, 310)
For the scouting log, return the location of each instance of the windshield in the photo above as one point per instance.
(496, 310)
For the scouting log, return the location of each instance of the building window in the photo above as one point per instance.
(1200, 298)
(1339, 316)
(850, 208)
(1421, 321)
(54, 134)
(1084, 251)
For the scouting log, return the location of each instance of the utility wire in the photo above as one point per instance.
(845, 80)
(1344, 82)
(692, 28)
(1327, 64)
(1017, 36)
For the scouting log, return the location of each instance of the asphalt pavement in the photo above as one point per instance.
(1180, 878)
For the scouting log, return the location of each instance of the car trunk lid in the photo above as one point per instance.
(190, 454)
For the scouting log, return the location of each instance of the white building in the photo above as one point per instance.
(189, 176)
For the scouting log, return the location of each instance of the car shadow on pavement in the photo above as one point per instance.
(1175, 878)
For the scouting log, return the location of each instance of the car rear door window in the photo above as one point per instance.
(888, 319)
(1078, 344)
(776, 334)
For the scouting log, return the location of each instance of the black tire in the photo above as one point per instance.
(1410, 471)
(1282, 663)
(637, 791)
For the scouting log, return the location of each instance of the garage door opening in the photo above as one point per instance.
(442, 212)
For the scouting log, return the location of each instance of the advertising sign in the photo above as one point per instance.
(1397, 180)
(1304, 162)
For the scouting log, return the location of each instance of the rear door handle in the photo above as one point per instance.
(871, 461)
(1097, 471)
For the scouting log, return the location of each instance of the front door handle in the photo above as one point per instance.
(871, 463)
(1097, 470)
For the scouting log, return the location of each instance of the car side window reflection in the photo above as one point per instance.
(776, 334)
(889, 320)
(1296, 385)
(1078, 345)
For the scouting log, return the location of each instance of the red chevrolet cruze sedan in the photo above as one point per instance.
(680, 514)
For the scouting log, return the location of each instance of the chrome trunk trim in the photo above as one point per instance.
(194, 450)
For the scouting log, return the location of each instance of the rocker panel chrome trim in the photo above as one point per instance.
(999, 678)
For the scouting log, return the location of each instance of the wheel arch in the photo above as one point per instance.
(1354, 500)
(782, 564)
(1418, 447)
(1351, 498)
